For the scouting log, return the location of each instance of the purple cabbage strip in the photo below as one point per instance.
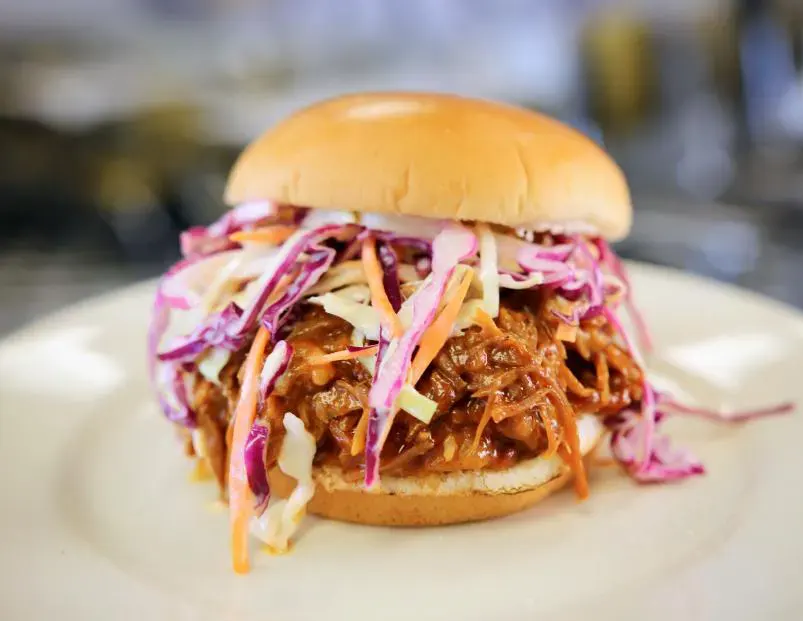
(160, 319)
(282, 263)
(453, 245)
(374, 431)
(532, 257)
(609, 258)
(180, 266)
(167, 378)
(390, 274)
(310, 273)
(213, 332)
(649, 415)
(228, 328)
(256, 451)
(595, 286)
(205, 240)
(171, 377)
(275, 365)
(585, 286)
(674, 407)
(663, 463)
(256, 446)
(648, 455)
(556, 278)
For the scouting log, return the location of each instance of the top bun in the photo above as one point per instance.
(438, 156)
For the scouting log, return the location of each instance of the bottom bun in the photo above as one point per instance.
(439, 498)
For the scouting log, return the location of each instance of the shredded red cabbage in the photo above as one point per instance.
(173, 295)
(275, 365)
(310, 272)
(453, 245)
(283, 262)
(173, 394)
(662, 463)
(160, 319)
(649, 456)
(204, 240)
(649, 415)
(608, 258)
(213, 332)
(671, 406)
(390, 278)
(538, 258)
(585, 287)
(256, 450)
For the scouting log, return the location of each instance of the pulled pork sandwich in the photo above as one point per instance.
(408, 318)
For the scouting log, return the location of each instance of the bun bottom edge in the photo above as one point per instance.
(358, 507)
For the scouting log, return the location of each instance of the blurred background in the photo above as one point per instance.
(119, 119)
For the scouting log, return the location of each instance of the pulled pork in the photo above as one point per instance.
(506, 391)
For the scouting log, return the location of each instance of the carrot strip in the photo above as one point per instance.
(358, 442)
(573, 384)
(379, 298)
(343, 354)
(571, 453)
(486, 322)
(436, 335)
(566, 332)
(486, 418)
(552, 440)
(274, 295)
(603, 379)
(240, 496)
(275, 234)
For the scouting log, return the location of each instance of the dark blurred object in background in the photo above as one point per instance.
(119, 119)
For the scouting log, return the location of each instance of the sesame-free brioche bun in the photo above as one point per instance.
(436, 498)
(438, 156)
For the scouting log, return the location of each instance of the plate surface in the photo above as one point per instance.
(99, 522)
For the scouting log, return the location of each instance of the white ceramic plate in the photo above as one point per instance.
(99, 521)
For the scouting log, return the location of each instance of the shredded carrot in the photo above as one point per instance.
(275, 234)
(379, 298)
(573, 384)
(566, 332)
(240, 500)
(486, 418)
(274, 295)
(486, 322)
(436, 335)
(358, 443)
(603, 379)
(570, 452)
(551, 438)
(343, 354)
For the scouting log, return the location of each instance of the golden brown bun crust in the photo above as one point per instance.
(436, 156)
(440, 498)
(397, 510)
